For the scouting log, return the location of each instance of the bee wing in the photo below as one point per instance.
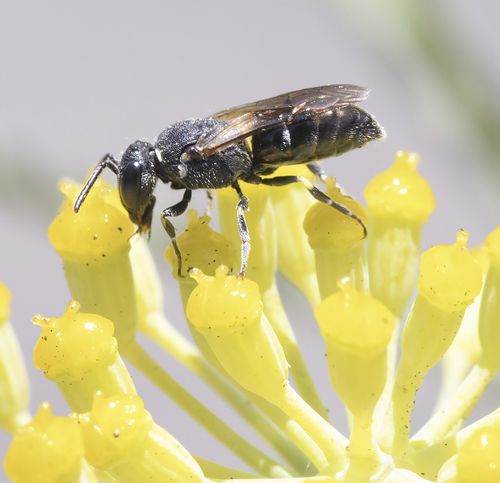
(244, 121)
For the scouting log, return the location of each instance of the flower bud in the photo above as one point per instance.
(400, 192)
(228, 312)
(79, 353)
(94, 245)
(328, 228)
(449, 281)
(200, 247)
(121, 438)
(449, 275)
(47, 450)
(99, 230)
(357, 329)
(399, 201)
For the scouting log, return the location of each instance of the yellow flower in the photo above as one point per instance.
(244, 347)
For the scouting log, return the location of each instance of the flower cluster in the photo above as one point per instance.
(244, 346)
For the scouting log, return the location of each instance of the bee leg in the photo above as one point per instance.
(210, 196)
(108, 161)
(241, 207)
(317, 170)
(175, 210)
(317, 194)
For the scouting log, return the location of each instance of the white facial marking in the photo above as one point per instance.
(158, 155)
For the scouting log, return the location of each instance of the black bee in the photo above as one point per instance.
(242, 143)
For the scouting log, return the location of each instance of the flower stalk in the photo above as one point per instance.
(14, 392)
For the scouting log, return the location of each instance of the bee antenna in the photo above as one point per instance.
(108, 161)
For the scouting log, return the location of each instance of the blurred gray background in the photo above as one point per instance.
(80, 79)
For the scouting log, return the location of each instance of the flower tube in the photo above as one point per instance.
(337, 241)
(262, 266)
(449, 281)
(357, 330)
(399, 202)
(453, 414)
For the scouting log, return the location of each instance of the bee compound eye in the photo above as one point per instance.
(130, 184)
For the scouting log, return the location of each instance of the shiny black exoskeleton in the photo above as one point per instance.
(242, 143)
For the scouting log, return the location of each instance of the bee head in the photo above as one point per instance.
(136, 182)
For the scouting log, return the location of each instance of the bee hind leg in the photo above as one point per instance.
(317, 170)
(315, 192)
(175, 210)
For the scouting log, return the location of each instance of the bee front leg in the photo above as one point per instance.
(108, 161)
(241, 207)
(175, 210)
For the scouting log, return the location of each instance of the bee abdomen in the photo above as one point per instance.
(306, 140)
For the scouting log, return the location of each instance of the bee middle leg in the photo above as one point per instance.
(175, 210)
(241, 207)
(317, 194)
(210, 202)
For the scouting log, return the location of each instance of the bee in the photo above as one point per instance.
(242, 143)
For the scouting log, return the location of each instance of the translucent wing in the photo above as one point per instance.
(244, 121)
